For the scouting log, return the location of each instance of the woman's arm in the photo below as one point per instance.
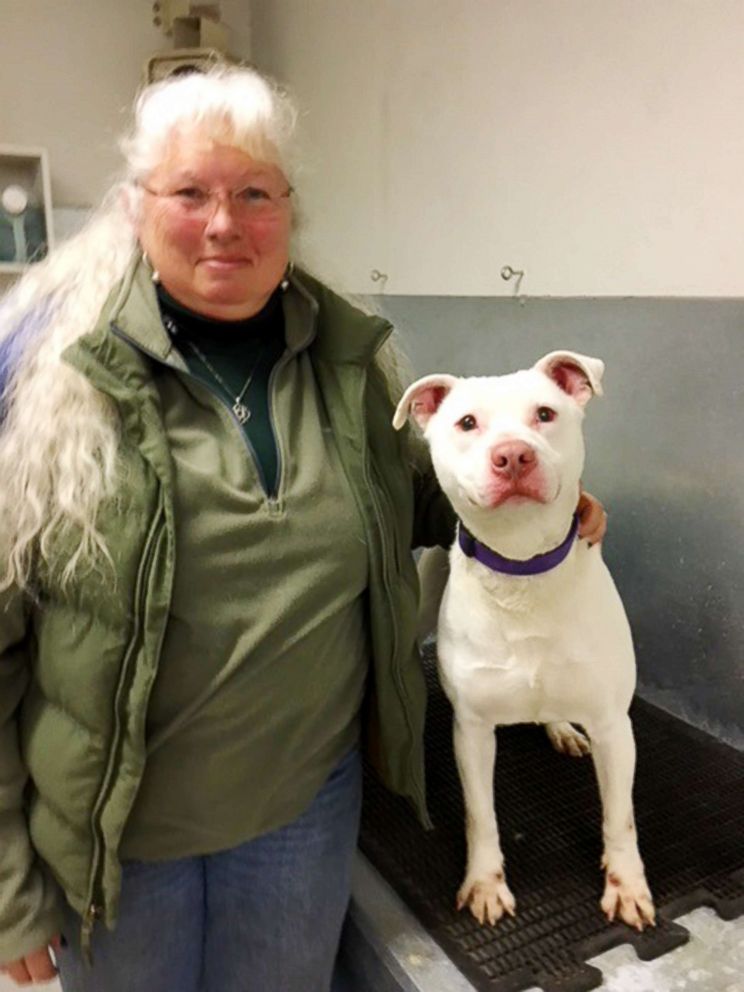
(29, 901)
(434, 519)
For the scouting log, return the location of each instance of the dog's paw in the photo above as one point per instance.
(627, 896)
(567, 739)
(487, 898)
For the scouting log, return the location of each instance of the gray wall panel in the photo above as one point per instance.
(664, 453)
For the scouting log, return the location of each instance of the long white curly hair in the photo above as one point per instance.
(59, 435)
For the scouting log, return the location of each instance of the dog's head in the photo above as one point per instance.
(511, 440)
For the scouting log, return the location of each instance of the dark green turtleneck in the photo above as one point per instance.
(235, 350)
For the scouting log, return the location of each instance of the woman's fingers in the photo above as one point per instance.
(18, 972)
(35, 967)
(592, 518)
(40, 965)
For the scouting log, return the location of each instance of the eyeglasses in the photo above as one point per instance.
(251, 201)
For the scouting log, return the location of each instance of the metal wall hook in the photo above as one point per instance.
(377, 276)
(507, 273)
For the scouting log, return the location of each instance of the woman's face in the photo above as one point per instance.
(215, 223)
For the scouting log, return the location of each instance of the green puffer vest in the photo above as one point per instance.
(94, 645)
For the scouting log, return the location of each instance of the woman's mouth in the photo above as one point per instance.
(225, 263)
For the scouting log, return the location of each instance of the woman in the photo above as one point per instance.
(208, 596)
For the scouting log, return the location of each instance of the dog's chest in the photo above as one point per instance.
(515, 652)
(514, 614)
(523, 679)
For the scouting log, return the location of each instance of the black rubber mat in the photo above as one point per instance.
(689, 804)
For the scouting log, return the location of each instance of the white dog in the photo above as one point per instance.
(531, 627)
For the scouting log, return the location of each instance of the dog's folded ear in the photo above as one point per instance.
(577, 375)
(423, 398)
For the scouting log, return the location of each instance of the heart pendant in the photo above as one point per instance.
(242, 412)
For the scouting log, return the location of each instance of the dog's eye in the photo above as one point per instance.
(467, 423)
(545, 414)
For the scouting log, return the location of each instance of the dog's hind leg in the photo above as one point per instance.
(568, 739)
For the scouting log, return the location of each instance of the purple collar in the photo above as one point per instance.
(472, 548)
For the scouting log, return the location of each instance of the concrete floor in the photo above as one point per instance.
(712, 961)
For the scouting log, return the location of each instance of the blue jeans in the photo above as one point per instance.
(262, 917)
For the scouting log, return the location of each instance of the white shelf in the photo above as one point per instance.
(27, 167)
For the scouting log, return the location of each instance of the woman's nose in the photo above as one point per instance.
(223, 220)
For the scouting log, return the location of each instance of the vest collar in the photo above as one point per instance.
(345, 333)
(333, 329)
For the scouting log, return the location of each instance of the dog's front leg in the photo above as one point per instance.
(626, 892)
(484, 890)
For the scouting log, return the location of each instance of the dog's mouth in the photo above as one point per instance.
(489, 491)
(514, 497)
(517, 491)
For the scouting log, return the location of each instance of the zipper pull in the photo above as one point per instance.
(92, 914)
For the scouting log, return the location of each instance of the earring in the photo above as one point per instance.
(284, 284)
(155, 275)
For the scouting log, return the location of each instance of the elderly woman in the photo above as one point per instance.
(208, 598)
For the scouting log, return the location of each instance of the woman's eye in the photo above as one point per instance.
(467, 423)
(545, 414)
(192, 194)
(253, 194)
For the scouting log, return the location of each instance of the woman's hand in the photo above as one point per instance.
(34, 967)
(592, 518)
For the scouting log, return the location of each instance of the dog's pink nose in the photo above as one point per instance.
(513, 459)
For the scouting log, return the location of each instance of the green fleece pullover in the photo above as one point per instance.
(265, 656)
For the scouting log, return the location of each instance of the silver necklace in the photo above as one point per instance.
(239, 408)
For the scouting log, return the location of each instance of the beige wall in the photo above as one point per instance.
(596, 144)
(68, 72)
